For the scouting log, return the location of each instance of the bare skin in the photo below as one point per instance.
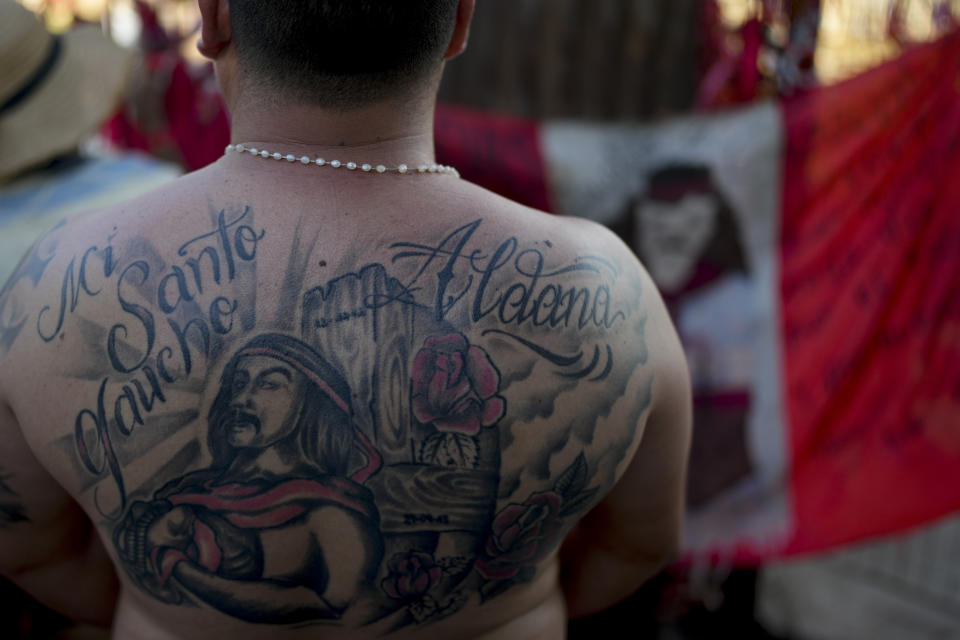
(395, 405)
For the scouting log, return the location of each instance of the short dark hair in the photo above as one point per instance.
(341, 53)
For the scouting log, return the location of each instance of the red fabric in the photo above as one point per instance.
(870, 283)
(500, 153)
(728, 76)
(276, 505)
(195, 126)
(196, 117)
(748, 76)
(252, 506)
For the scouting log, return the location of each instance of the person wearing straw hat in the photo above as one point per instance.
(55, 91)
(504, 406)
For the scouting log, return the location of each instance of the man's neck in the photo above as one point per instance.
(387, 133)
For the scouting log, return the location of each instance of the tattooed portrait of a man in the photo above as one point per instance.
(280, 436)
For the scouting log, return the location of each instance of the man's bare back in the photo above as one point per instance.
(295, 399)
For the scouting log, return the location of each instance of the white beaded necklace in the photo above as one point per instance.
(350, 166)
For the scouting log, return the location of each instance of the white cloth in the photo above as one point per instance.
(37, 202)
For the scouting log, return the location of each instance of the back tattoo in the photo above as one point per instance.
(393, 440)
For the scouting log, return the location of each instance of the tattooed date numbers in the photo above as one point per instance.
(425, 518)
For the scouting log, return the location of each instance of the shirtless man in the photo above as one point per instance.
(315, 391)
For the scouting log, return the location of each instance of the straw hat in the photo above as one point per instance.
(54, 90)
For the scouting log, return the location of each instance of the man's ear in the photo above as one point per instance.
(461, 32)
(215, 32)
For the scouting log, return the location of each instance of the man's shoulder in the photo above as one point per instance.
(519, 218)
(68, 268)
(529, 234)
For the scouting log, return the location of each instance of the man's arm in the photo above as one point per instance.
(343, 548)
(48, 546)
(629, 535)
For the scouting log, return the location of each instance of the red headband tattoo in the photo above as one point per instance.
(271, 353)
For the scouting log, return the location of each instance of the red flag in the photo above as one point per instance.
(498, 152)
(820, 307)
(870, 264)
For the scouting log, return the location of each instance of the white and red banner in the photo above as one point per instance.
(809, 251)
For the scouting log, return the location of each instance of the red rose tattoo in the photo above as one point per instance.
(521, 535)
(455, 386)
(412, 575)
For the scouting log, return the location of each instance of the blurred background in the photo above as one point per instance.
(816, 296)
(643, 58)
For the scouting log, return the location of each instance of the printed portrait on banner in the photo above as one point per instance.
(697, 199)
(684, 231)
